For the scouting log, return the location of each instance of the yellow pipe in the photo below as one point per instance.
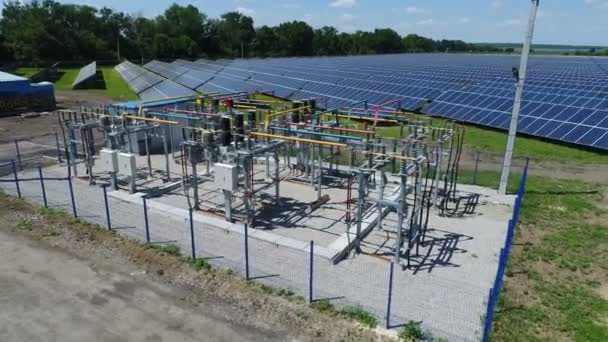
(150, 119)
(269, 116)
(245, 107)
(263, 101)
(309, 141)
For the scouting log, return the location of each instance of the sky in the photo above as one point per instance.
(572, 22)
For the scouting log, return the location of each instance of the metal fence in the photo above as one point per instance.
(377, 286)
(503, 259)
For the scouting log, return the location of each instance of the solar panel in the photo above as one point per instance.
(165, 89)
(85, 75)
(566, 98)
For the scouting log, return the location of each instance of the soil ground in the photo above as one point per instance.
(66, 281)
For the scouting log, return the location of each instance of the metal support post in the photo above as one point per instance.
(146, 222)
(311, 272)
(193, 247)
(361, 199)
(16, 178)
(277, 179)
(149, 160)
(107, 205)
(246, 252)
(320, 174)
(166, 152)
(194, 185)
(72, 197)
(58, 147)
(18, 151)
(46, 205)
(390, 296)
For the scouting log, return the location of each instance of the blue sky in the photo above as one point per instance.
(578, 22)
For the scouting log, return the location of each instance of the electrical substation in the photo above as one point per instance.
(285, 168)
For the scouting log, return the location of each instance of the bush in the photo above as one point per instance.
(359, 314)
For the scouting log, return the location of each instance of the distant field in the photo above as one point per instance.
(115, 86)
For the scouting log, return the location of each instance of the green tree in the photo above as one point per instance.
(265, 42)
(386, 41)
(295, 39)
(236, 33)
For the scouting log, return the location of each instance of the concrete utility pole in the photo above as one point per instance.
(521, 76)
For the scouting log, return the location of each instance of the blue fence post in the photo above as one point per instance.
(311, 272)
(146, 223)
(58, 147)
(18, 155)
(105, 201)
(246, 252)
(46, 205)
(192, 235)
(72, 197)
(16, 178)
(487, 326)
(390, 296)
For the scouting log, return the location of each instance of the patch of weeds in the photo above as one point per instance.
(25, 224)
(412, 331)
(201, 264)
(323, 305)
(170, 249)
(360, 315)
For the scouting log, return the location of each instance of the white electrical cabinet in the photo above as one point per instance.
(109, 160)
(126, 164)
(226, 176)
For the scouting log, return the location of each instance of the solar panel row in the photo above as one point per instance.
(85, 74)
(566, 98)
(149, 85)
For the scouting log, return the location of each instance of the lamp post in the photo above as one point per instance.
(520, 76)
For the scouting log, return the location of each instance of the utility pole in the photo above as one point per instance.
(521, 76)
(242, 52)
(118, 47)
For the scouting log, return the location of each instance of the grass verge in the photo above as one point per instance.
(556, 285)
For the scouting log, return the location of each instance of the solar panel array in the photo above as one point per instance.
(85, 74)
(155, 85)
(566, 98)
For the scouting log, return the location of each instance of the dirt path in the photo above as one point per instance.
(63, 280)
(49, 295)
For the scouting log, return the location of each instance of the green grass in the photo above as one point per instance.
(27, 72)
(169, 249)
(67, 78)
(558, 263)
(116, 87)
(360, 315)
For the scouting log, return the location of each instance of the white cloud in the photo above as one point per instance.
(511, 22)
(414, 10)
(429, 21)
(343, 3)
(245, 11)
(347, 17)
(497, 3)
(597, 4)
(464, 20)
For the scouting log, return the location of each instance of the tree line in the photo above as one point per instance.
(47, 31)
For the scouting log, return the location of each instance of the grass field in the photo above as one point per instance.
(115, 87)
(556, 281)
